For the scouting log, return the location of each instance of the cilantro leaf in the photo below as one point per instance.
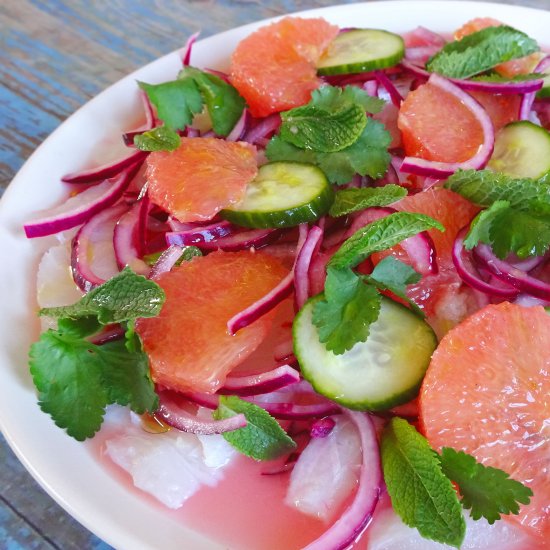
(508, 230)
(394, 275)
(126, 375)
(380, 235)
(161, 138)
(347, 201)
(420, 493)
(223, 102)
(262, 438)
(488, 492)
(310, 127)
(176, 101)
(481, 51)
(123, 297)
(68, 374)
(349, 307)
(483, 187)
(367, 156)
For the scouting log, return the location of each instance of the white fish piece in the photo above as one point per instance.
(170, 466)
(327, 472)
(388, 532)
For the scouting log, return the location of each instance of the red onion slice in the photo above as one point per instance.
(80, 208)
(96, 233)
(512, 275)
(185, 52)
(263, 130)
(371, 87)
(282, 411)
(303, 261)
(240, 127)
(479, 160)
(510, 87)
(241, 240)
(526, 105)
(265, 382)
(322, 427)
(420, 54)
(200, 235)
(178, 418)
(530, 301)
(423, 36)
(359, 513)
(468, 272)
(384, 81)
(149, 123)
(166, 261)
(105, 171)
(126, 239)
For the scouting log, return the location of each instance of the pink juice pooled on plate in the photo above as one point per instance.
(272, 335)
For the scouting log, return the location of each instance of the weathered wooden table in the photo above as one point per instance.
(55, 55)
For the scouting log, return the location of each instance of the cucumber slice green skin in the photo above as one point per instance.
(522, 150)
(545, 90)
(402, 342)
(361, 50)
(283, 194)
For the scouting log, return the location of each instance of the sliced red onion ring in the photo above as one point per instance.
(178, 418)
(201, 234)
(108, 334)
(468, 272)
(371, 87)
(420, 54)
(80, 208)
(322, 427)
(511, 87)
(264, 129)
(530, 301)
(241, 240)
(105, 171)
(166, 261)
(96, 232)
(240, 127)
(301, 268)
(359, 513)
(185, 52)
(384, 81)
(272, 298)
(479, 160)
(265, 382)
(126, 239)
(282, 411)
(142, 225)
(424, 36)
(512, 275)
(526, 105)
(149, 123)
(420, 248)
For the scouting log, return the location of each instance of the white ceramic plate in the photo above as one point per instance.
(65, 468)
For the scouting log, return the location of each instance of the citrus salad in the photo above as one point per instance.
(319, 280)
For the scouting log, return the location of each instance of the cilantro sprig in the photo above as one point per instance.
(178, 101)
(517, 215)
(419, 484)
(481, 51)
(77, 379)
(333, 132)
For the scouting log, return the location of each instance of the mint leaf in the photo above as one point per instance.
(334, 98)
(495, 77)
(126, 374)
(420, 493)
(381, 235)
(367, 156)
(262, 438)
(349, 307)
(488, 492)
(123, 297)
(223, 102)
(347, 201)
(481, 224)
(310, 127)
(484, 187)
(481, 51)
(161, 138)
(176, 101)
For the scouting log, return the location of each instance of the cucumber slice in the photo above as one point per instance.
(375, 375)
(545, 90)
(522, 150)
(361, 50)
(283, 194)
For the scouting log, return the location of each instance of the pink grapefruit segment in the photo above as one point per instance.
(487, 392)
(201, 177)
(188, 343)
